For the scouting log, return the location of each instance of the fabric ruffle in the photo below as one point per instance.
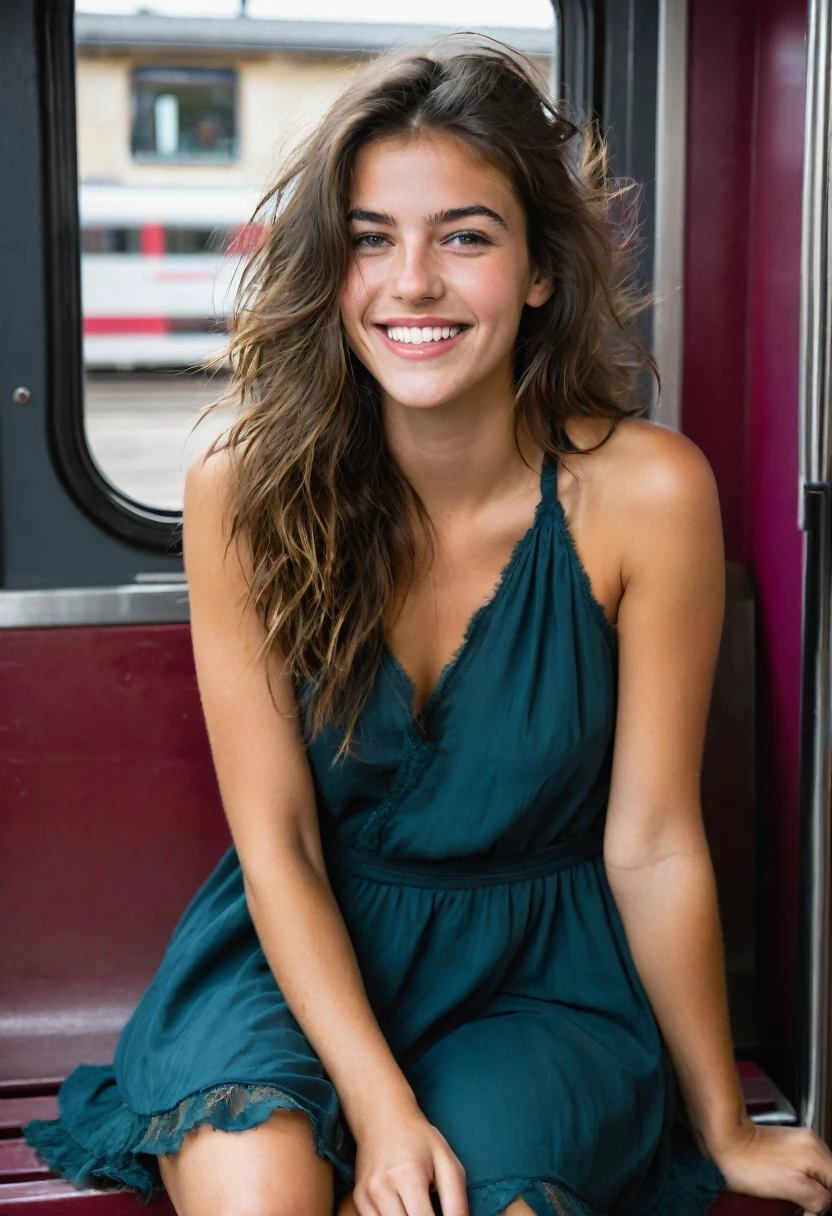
(133, 1142)
(545, 1197)
(691, 1187)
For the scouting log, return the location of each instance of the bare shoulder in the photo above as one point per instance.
(654, 467)
(644, 503)
(206, 518)
(667, 518)
(645, 476)
(208, 481)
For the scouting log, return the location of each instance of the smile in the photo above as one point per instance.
(423, 342)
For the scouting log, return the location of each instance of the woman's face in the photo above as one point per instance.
(440, 270)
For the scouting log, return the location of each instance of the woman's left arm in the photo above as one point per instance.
(656, 854)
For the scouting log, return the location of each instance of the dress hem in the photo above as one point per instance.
(690, 1188)
(233, 1107)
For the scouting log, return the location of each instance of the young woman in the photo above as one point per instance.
(455, 609)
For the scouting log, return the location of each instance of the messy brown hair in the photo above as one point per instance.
(325, 511)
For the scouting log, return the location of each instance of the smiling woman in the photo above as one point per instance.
(446, 585)
(540, 286)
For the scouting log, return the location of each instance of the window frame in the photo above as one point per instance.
(77, 528)
(154, 528)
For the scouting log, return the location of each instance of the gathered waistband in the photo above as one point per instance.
(463, 871)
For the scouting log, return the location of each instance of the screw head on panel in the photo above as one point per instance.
(22, 395)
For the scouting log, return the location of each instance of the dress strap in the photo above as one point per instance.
(549, 478)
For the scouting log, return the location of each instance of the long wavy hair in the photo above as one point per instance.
(325, 511)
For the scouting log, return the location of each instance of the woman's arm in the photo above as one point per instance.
(656, 854)
(269, 800)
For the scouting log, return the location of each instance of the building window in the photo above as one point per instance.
(182, 114)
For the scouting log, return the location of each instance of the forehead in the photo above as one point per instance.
(425, 173)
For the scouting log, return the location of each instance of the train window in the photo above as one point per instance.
(184, 113)
(111, 240)
(182, 109)
(197, 240)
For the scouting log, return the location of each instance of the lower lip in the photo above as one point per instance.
(422, 350)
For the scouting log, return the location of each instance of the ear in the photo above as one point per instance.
(540, 288)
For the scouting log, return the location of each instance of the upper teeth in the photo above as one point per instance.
(398, 333)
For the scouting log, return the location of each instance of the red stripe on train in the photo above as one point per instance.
(126, 325)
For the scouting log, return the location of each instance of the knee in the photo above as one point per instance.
(269, 1170)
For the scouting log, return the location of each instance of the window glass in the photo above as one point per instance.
(184, 113)
(183, 106)
(110, 240)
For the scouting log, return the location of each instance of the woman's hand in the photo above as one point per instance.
(399, 1160)
(790, 1163)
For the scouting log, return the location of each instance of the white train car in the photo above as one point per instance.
(158, 272)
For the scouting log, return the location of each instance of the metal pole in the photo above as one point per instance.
(814, 519)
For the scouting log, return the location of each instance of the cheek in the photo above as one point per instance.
(354, 299)
(494, 292)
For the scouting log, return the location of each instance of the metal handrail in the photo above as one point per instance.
(814, 520)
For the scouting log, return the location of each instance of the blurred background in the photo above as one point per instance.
(185, 110)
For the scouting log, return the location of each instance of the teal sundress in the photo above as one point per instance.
(464, 848)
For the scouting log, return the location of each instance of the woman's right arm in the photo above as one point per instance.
(269, 800)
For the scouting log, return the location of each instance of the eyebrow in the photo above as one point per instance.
(438, 217)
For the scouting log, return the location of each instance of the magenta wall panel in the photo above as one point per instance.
(721, 53)
(110, 821)
(745, 152)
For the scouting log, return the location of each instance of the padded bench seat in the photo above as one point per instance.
(111, 820)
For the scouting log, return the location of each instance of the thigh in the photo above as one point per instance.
(526, 1094)
(269, 1170)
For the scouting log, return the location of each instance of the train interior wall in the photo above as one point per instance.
(747, 61)
(114, 817)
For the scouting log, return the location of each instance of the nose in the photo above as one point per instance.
(416, 273)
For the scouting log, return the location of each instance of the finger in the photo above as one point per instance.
(416, 1200)
(387, 1200)
(813, 1197)
(450, 1184)
(820, 1169)
(364, 1204)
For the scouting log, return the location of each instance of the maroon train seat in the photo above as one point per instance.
(111, 819)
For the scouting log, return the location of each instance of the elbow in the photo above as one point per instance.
(631, 858)
(280, 867)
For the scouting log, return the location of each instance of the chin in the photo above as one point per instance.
(420, 396)
(420, 401)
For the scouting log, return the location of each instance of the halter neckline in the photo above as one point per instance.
(418, 721)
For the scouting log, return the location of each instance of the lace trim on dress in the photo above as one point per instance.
(545, 1197)
(232, 1107)
(691, 1188)
(416, 753)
